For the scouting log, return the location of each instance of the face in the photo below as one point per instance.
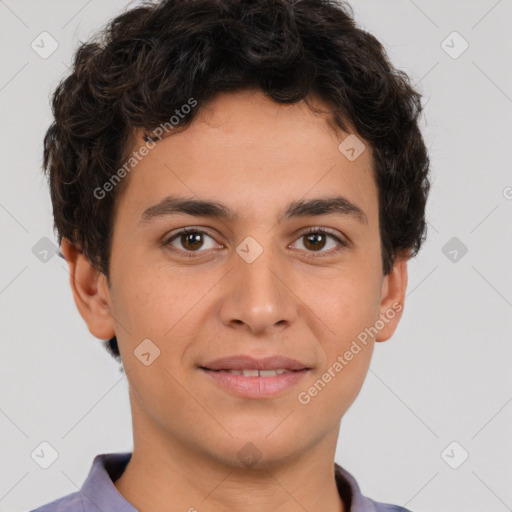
(262, 280)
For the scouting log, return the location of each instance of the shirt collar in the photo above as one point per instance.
(99, 493)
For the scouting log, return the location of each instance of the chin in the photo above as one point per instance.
(258, 450)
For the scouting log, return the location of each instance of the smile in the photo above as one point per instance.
(259, 384)
(257, 373)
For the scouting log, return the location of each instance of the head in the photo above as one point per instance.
(253, 124)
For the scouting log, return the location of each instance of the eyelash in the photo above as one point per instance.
(194, 254)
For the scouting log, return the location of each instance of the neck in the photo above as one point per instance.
(166, 476)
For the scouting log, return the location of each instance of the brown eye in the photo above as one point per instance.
(315, 241)
(318, 239)
(190, 240)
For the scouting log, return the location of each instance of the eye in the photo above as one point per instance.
(190, 239)
(316, 239)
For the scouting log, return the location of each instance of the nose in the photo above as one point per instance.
(259, 297)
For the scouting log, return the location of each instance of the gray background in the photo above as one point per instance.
(444, 376)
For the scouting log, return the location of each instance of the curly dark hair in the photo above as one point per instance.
(152, 59)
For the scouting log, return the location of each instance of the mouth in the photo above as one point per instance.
(247, 364)
(254, 372)
(250, 383)
(250, 377)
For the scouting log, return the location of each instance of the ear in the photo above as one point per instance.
(90, 291)
(393, 297)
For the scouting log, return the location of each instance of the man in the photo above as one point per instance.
(237, 188)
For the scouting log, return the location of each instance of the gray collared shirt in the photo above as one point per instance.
(99, 494)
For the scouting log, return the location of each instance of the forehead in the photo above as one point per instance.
(251, 153)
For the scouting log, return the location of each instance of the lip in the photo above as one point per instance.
(255, 387)
(243, 362)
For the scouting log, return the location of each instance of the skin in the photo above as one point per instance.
(255, 156)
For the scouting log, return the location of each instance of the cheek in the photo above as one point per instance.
(347, 307)
(150, 306)
(347, 347)
(152, 303)
(334, 389)
(347, 304)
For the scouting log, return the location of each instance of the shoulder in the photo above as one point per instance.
(386, 507)
(353, 498)
(69, 503)
(98, 493)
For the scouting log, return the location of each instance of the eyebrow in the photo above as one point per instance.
(303, 208)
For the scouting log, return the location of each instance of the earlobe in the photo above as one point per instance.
(392, 298)
(90, 292)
